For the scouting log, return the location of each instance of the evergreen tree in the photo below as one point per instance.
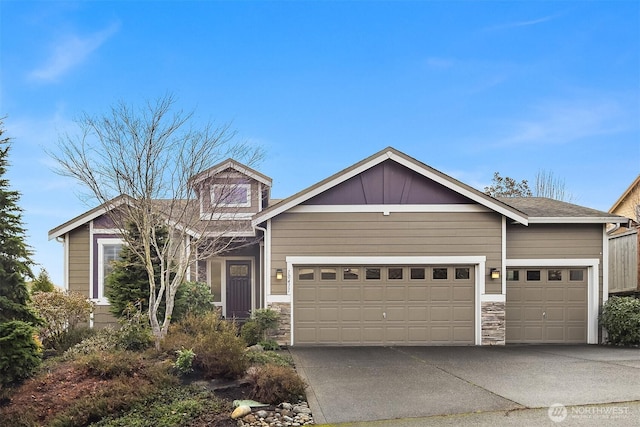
(15, 262)
(20, 352)
(42, 283)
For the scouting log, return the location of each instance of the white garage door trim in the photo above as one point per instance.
(593, 274)
(478, 261)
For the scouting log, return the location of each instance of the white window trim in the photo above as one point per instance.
(101, 243)
(214, 198)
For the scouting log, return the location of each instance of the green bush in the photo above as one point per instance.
(219, 351)
(184, 361)
(111, 364)
(275, 384)
(192, 297)
(621, 318)
(105, 339)
(21, 353)
(269, 357)
(135, 332)
(250, 332)
(61, 312)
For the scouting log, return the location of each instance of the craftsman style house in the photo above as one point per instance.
(388, 251)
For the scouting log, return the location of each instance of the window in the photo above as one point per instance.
(372, 273)
(351, 273)
(328, 274)
(108, 251)
(305, 274)
(231, 195)
(533, 275)
(418, 274)
(395, 273)
(463, 273)
(440, 273)
(576, 275)
(513, 275)
(554, 275)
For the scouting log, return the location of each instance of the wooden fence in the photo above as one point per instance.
(624, 262)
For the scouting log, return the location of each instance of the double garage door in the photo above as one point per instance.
(384, 305)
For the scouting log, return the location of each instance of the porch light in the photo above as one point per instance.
(495, 273)
(279, 274)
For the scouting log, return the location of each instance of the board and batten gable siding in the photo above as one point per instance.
(375, 234)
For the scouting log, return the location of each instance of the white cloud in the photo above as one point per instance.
(70, 52)
(564, 122)
(528, 23)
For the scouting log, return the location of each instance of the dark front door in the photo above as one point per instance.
(238, 289)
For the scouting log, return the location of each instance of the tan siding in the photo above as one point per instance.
(563, 241)
(554, 241)
(102, 317)
(374, 234)
(79, 260)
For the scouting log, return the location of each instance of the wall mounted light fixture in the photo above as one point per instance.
(279, 274)
(495, 273)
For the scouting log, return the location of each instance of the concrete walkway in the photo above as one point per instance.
(406, 384)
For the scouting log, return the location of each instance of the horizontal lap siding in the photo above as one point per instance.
(374, 234)
(563, 241)
(79, 260)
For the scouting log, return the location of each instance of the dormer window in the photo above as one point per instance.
(231, 195)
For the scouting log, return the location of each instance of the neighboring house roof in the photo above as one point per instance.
(231, 164)
(407, 161)
(635, 185)
(544, 210)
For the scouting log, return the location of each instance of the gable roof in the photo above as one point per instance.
(391, 153)
(230, 164)
(542, 210)
(635, 184)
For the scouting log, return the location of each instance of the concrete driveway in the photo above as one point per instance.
(384, 383)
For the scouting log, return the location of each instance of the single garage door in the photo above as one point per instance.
(383, 305)
(546, 305)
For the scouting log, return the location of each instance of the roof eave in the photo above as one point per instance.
(578, 220)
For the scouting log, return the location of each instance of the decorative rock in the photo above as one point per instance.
(257, 348)
(240, 412)
(250, 419)
(301, 410)
(297, 415)
(286, 405)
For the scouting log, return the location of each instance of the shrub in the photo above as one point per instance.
(21, 353)
(61, 312)
(269, 357)
(192, 297)
(275, 384)
(621, 318)
(102, 340)
(111, 364)
(250, 332)
(184, 361)
(135, 332)
(219, 351)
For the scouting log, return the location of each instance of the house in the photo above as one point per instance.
(624, 259)
(390, 252)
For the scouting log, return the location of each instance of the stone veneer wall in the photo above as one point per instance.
(493, 323)
(283, 334)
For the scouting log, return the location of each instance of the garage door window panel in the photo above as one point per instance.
(513, 275)
(350, 273)
(418, 273)
(440, 273)
(372, 273)
(554, 275)
(576, 275)
(395, 273)
(533, 275)
(306, 274)
(328, 274)
(462, 273)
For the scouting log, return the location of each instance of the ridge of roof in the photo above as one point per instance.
(231, 164)
(403, 159)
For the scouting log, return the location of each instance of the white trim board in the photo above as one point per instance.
(448, 208)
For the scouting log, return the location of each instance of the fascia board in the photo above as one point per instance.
(577, 220)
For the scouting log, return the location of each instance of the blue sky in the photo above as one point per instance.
(467, 87)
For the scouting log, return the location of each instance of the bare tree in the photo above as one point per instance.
(552, 187)
(137, 162)
(507, 187)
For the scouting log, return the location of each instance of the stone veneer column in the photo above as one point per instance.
(283, 334)
(493, 323)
